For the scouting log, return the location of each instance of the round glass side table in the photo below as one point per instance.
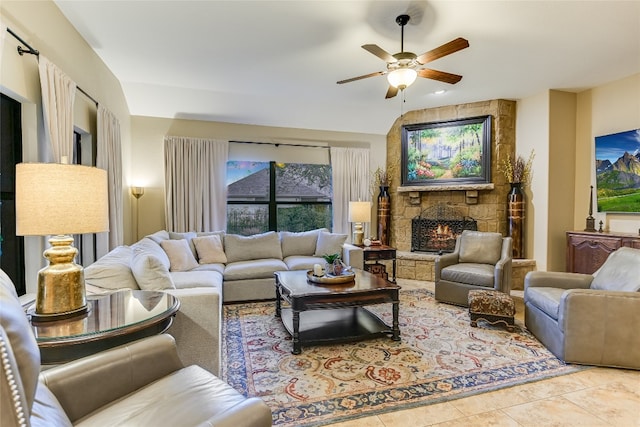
(111, 320)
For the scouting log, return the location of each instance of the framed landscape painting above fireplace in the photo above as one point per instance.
(448, 152)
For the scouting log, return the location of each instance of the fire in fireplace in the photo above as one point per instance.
(437, 227)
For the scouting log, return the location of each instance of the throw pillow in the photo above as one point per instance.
(620, 272)
(180, 256)
(150, 272)
(210, 250)
(246, 248)
(329, 243)
(187, 236)
(303, 244)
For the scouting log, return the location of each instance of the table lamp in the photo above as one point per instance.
(359, 212)
(58, 200)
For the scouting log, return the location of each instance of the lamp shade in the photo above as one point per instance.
(53, 198)
(402, 77)
(359, 211)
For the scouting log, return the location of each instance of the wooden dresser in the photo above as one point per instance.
(587, 251)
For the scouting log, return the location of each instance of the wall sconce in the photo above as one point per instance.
(359, 212)
(58, 200)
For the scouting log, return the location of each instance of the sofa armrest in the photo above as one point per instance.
(553, 279)
(443, 261)
(86, 384)
(601, 327)
(503, 276)
(197, 327)
(353, 255)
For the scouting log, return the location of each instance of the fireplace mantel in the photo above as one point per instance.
(452, 187)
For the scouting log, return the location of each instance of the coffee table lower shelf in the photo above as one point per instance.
(334, 325)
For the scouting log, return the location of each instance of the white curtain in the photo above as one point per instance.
(109, 158)
(58, 95)
(351, 176)
(195, 184)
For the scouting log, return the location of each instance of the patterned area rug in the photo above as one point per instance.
(441, 357)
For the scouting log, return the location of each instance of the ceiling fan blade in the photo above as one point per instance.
(444, 50)
(353, 79)
(439, 75)
(379, 52)
(391, 92)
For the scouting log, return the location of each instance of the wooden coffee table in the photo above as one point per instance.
(334, 312)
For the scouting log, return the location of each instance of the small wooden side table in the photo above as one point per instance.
(372, 257)
(113, 319)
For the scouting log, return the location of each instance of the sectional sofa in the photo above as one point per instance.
(204, 270)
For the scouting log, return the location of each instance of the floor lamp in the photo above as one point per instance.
(137, 192)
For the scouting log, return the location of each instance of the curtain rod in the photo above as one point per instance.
(35, 52)
(277, 144)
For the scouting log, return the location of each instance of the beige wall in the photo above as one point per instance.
(562, 142)
(147, 153)
(532, 133)
(561, 128)
(606, 109)
(43, 26)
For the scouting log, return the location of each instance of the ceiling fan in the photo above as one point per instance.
(403, 67)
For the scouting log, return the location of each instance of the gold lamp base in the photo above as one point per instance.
(61, 291)
(358, 234)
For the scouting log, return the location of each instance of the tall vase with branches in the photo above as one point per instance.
(382, 180)
(518, 173)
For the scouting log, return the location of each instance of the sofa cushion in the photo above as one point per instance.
(47, 410)
(22, 352)
(113, 270)
(149, 271)
(469, 273)
(197, 279)
(545, 299)
(480, 247)
(188, 397)
(258, 246)
(186, 236)
(158, 236)
(303, 243)
(254, 269)
(620, 272)
(148, 245)
(302, 262)
(210, 249)
(210, 267)
(329, 243)
(180, 256)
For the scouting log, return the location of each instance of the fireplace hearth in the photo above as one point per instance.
(437, 227)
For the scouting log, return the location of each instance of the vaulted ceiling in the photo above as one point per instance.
(276, 63)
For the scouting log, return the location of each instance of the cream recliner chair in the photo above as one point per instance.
(588, 319)
(480, 260)
(140, 384)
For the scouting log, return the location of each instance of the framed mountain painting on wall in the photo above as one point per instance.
(618, 171)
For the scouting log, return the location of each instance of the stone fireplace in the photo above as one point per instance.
(486, 204)
(437, 227)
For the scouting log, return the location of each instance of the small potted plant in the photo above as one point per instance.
(334, 263)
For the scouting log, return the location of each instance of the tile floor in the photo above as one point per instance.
(593, 397)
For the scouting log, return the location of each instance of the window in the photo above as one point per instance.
(11, 246)
(263, 196)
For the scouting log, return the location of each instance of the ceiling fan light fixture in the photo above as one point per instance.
(402, 77)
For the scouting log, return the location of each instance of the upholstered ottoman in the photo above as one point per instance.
(491, 306)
